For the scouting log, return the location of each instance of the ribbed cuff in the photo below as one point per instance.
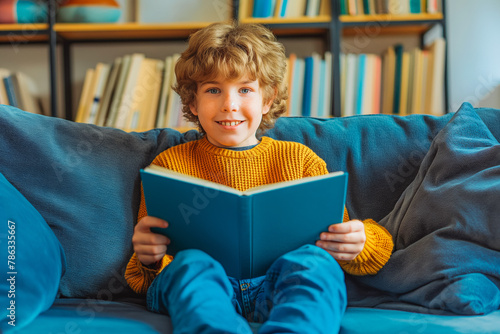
(375, 254)
(139, 277)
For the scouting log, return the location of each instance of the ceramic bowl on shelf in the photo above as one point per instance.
(89, 11)
(23, 11)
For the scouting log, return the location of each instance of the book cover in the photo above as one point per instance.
(351, 67)
(296, 8)
(389, 67)
(174, 106)
(405, 80)
(315, 84)
(101, 77)
(328, 69)
(84, 96)
(10, 90)
(377, 84)
(416, 100)
(360, 85)
(343, 7)
(27, 93)
(118, 93)
(321, 89)
(165, 88)
(145, 96)
(245, 231)
(308, 86)
(398, 49)
(124, 108)
(297, 95)
(435, 78)
(263, 8)
(312, 8)
(109, 90)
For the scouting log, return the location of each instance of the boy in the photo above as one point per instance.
(231, 82)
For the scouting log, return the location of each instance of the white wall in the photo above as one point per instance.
(473, 29)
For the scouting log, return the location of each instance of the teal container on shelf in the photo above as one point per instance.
(93, 11)
(23, 11)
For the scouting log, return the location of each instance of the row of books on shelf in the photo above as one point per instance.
(395, 7)
(132, 93)
(398, 82)
(287, 8)
(135, 92)
(19, 90)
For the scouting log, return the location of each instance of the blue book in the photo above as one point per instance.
(284, 3)
(10, 90)
(361, 83)
(322, 87)
(263, 8)
(415, 6)
(308, 84)
(244, 231)
(398, 49)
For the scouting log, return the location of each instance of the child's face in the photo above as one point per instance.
(230, 111)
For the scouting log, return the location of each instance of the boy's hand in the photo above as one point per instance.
(148, 246)
(344, 241)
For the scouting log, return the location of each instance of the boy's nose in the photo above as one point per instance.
(230, 104)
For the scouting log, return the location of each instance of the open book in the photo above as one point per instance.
(246, 231)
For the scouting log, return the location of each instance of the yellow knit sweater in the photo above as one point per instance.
(269, 162)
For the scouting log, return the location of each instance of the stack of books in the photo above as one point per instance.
(133, 93)
(310, 85)
(19, 90)
(399, 82)
(286, 8)
(394, 7)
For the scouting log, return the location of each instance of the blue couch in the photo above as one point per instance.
(69, 195)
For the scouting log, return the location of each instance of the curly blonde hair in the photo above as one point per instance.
(234, 50)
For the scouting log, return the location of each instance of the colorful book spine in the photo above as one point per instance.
(308, 84)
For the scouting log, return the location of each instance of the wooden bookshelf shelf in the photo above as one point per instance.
(290, 20)
(117, 31)
(357, 19)
(23, 33)
(389, 24)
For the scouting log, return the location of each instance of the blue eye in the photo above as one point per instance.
(245, 90)
(212, 90)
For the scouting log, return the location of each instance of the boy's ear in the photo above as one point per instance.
(269, 103)
(193, 109)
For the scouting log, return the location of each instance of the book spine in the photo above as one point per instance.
(9, 88)
(308, 83)
(246, 237)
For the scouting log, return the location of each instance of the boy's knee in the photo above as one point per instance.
(192, 255)
(309, 258)
(193, 261)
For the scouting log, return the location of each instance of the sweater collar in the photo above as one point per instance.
(210, 148)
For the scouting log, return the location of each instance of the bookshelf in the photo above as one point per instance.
(19, 34)
(330, 26)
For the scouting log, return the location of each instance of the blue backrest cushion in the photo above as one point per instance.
(84, 181)
(32, 260)
(381, 153)
(445, 225)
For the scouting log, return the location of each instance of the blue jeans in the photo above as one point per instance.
(302, 292)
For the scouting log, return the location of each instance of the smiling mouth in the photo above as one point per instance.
(232, 123)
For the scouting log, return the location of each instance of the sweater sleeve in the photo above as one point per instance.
(139, 277)
(375, 254)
